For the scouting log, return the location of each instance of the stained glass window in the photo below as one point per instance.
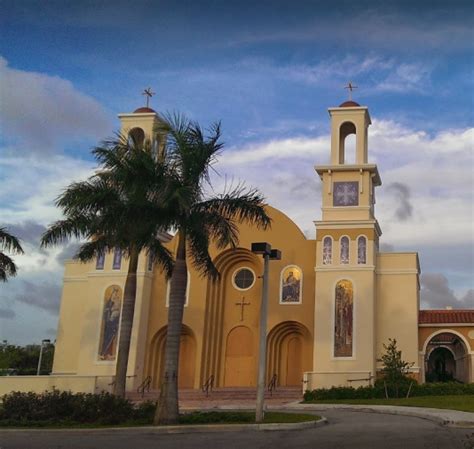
(327, 250)
(361, 250)
(117, 263)
(344, 250)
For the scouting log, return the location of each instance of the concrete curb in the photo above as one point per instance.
(189, 428)
(445, 417)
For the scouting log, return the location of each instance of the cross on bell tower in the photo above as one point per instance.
(148, 93)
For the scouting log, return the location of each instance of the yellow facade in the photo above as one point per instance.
(333, 300)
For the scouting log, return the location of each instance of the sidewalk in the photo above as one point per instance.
(450, 418)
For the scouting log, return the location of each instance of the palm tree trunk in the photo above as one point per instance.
(168, 408)
(126, 322)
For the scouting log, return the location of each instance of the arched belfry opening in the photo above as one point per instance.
(347, 143)
(137, 136)
(349, 123)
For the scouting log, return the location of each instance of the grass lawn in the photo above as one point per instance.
(212, 417)
(464, 403)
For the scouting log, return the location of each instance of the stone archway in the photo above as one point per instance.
(187, 358)
(446, 358)
(288, 353)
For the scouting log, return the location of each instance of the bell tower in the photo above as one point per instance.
(346, 246)
(140, 126)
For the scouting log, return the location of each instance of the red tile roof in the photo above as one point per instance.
(445, 316)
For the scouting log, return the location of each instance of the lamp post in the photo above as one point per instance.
(265, 249)
(43, 344)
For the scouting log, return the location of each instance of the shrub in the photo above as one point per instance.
(378, 391)
(63, 406)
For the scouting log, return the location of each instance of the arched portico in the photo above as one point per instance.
(446, 357)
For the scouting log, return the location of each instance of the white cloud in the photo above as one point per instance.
(39, 111)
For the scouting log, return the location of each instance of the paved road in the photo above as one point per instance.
(345, 430)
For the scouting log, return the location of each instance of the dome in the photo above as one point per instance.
(143, 110)
(349, 104)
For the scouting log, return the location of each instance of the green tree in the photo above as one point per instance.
(199, 220)
(395, 370)
(23, 360)
(118, 207)
(8, 243)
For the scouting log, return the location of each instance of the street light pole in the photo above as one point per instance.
(43, 343)
(262, 357)
(268, 254)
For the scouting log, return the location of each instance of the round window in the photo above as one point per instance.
(244, 278)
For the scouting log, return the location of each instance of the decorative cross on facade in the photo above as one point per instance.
(148, 93)
(351, 87)
(242, 304)
(345, 194)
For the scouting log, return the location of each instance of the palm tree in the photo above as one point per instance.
(8, 243)
(198, 221)
(118, 207)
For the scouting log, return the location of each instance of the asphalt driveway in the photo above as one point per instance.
(346, 429)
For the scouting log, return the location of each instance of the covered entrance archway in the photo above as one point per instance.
(447, 358)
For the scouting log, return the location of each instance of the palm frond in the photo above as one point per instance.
(240, 204)
(160, 256)
(9, 242)
(7, 267)
(93, 248)
(78, 226)
(198, 241)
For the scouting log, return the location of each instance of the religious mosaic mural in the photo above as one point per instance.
(291, 285)
(110, 323)
(343, 319)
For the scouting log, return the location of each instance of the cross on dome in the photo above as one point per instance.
(148, 93)
(350, 87)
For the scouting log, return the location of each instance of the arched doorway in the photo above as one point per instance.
(187, 358)
(239, 370)
(441, 365)
(446, 358)
(289, 353)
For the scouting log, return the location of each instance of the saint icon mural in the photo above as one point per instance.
(291, 285)
(110, 323)
(343, 321)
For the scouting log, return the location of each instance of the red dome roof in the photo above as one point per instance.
(143, 109)
(349, 104)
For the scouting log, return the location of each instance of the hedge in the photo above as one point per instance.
(57, 407)
(378, 391)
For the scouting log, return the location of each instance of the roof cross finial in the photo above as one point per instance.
(351, 87)
(148, 94)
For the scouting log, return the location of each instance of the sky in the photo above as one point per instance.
(268, 70)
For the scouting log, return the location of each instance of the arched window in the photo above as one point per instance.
(109, 327)
(117, 263)
(99, 264)
(137, 135)
(361, 250)
(291, 285)
(343, 318)
(344, 253)
(327, 251)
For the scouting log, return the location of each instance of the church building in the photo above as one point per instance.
(334, 301)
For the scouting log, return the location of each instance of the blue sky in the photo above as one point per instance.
(269, 70)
